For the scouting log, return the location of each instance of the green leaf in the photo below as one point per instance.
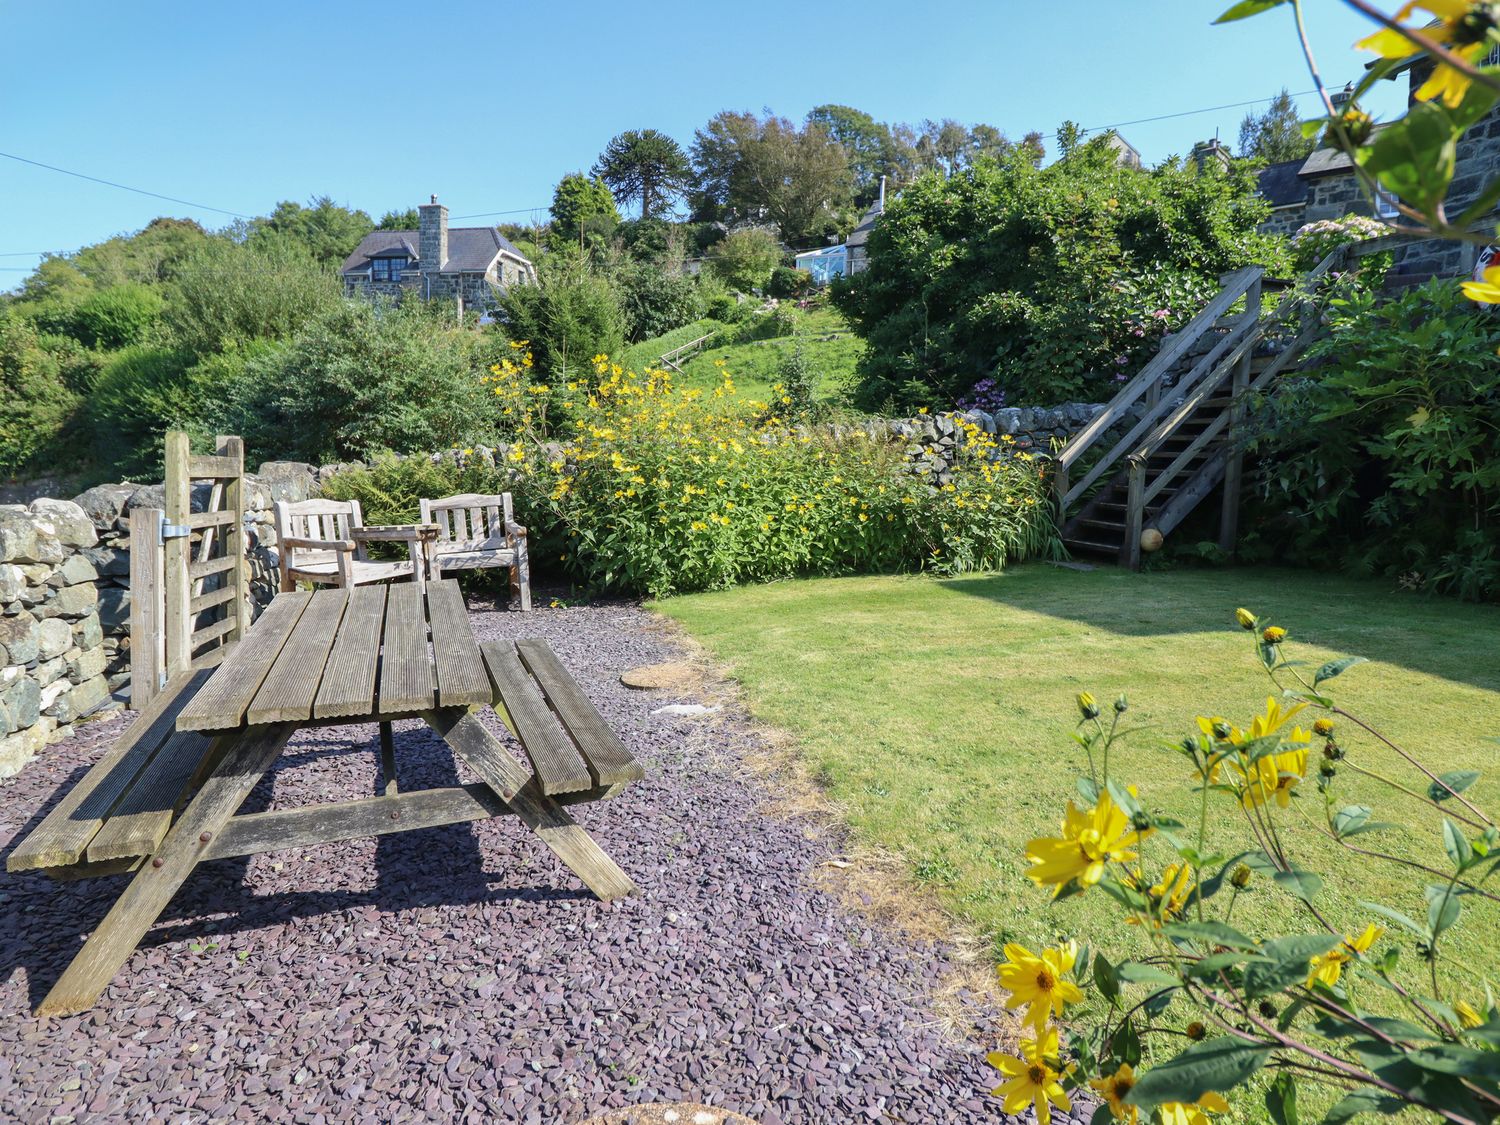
(1397, 917)
(1128, 897)
(1135, 972)
(1398, 1028)
(1088, 790)
(1442, 913)
(1336, 668)
(1456, 844)
(1247, 8)
(1208, 967)
(1214, 1064)
(1211, 933)
(1281, 1100)
(1106, 978)
(1449, 1058)
(1287, 963)
(1448, 784)
(1414, 158)
(1300, 882)
(1364, 1100)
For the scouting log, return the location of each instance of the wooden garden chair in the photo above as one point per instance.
(476, 531)
(323, 542)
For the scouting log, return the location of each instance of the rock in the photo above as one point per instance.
(104, 504)
(675, 673)
(23, 699)
(86, 665)
(114, 606)
(87, 632)
(6, 725)
(75, 701)
(49, 671)
(12, 582)
(287, 480)
(75, 569)
(685, 710)
(66, 521)
(55, 637)
(18, 537)
(75, 601)
(19, 637)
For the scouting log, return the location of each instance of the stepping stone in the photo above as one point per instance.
(681, 1113)
(673, 674)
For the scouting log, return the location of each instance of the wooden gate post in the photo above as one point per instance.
(147, 629)
(176, 551)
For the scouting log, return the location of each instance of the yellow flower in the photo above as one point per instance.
(1468, 1015)
(1088, 707)
(1090, 840)
(1245, 618)
(1031, 1078)
(1273, 776)
(1488, 290)
(1328, 967)
(1113, 1090)
(1273, 635)
(1038, 981)
(1322, 727)
(1169, 896)
(1273, 719)
(1192, 1113)
(1463, 28)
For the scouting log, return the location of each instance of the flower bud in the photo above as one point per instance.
(1245, 618)
(1087, 706)
(1140, 822)
(1122, 704)
(1240, 877)
(1358, 125)
(1222, 730)
(1273, 635)
(1268, 1009)
(1195, 1030)
(1327, 770)
(1322, 727)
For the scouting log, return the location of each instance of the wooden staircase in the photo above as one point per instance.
(1132, 495)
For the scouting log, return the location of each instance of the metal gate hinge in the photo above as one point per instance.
(173, 530)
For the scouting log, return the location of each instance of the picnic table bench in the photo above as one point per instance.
(165, 797)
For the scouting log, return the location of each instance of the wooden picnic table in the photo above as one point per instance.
(165, 797)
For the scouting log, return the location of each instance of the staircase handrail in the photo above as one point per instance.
(1148, 378)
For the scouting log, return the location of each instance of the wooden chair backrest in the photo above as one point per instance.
(470, 521)
(315, 519)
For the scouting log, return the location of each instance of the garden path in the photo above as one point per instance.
(399, 979)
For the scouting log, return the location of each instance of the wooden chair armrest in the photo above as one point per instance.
(397, 533)
(513, 528)
(319, 544)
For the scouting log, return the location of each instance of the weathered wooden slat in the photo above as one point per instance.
(176, 552)
(140, 821)
(212, 658)
(461, 678)
(211, 599)
(63, 837)
(220, 703)
(212, 632)
(405, 667)
(209, 468)
(348, 686)
(203, 569)
(558, 765)
(542, 814)
(292, 683)
(602, 748)
(211, 519)
(233, 447)
(148, 653)
(245, 762)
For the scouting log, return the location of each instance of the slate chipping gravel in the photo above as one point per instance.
(463, 974)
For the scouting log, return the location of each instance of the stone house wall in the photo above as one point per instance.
(477, 291)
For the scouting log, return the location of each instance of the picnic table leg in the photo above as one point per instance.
(388, 759)
(489, 758)
(246, 758)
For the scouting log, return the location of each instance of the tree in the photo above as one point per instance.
(409, 219)
(570, 316)
(582, 205)
(868, 144)
(745, 258)
(1039, 277)
(1276, 134)
(750, 169)
(644, 165)
(326, 230)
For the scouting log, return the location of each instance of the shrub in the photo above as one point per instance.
(141, 393)
(745, 258)
(1313, 242)
(787, 282)
(573, 313)
(796, 382)
(655, 301)
(659, 490)
(1323, 1004)
(1040, 277)
(118, 316)
(726, 308)
(1386, 457)
(365, 378)
(39, 400)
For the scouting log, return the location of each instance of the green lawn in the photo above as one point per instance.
(828, 342)
(938, 714)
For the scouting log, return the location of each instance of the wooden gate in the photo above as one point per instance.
(188, 580)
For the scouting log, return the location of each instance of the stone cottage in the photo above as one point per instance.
(1324, 186)
(469, 265)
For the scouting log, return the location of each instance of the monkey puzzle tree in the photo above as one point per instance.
(645, 165)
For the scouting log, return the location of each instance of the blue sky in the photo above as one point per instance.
(236, 106)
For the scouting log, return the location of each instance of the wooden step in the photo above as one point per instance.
(1089, 545)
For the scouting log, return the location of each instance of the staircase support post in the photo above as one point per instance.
(1229, 511)
(1135, 511)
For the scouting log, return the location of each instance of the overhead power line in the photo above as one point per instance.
(122, 187)
(1189, 112)
(488, 214)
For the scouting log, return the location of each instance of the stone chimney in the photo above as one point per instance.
(433, 246)
(1342, 98)
(1205, 152)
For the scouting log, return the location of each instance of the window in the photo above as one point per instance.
(387, 269)
(1385, 205)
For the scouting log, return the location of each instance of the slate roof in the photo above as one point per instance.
(1280, 185)
(1326, 160)
(470, 249)
(861, 234)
